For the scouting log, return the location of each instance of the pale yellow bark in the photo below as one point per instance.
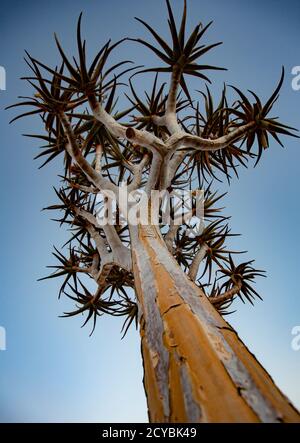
(196, 369)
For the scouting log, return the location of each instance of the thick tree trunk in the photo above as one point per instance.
(196, 369)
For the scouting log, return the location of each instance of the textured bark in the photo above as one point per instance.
(196, 369)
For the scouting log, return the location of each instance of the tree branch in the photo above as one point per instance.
(137, 171)
(94, 269)
(154, 172)
(74, 151)
(98, 158)
(87, 189)
(197, 261)
(99, 241)
(170, 235)
(228, 295)
(170, 165)
(184, 140)
(142, 138)
(120, 255)
(170, 116)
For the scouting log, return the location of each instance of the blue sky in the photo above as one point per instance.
(52, 370)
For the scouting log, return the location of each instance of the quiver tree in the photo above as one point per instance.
(175, 281)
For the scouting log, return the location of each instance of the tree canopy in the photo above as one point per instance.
(170, 138)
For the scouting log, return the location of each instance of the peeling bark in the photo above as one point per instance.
(196, 369)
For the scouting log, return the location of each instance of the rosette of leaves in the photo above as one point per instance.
(265, 126)
(240, 276)
(154, 105)
(184, 52)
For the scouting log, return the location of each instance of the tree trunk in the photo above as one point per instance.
(196, 369)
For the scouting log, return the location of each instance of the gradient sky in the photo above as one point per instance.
(52, 370)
